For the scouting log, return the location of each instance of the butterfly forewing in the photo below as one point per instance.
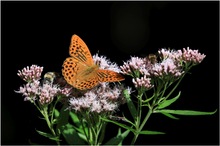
(109, 76)
(79, 50)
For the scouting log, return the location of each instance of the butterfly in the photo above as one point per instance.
(81, 72)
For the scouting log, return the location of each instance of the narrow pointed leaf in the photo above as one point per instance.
(56, 113)
(147, 132)
(170, 116)
(80, 130)
(77, 123)
(130, 104)
(168, 102)
(50, 136)
(71, 136)
(119, 138)
(75, 119)
(82, 136)
(186, 112)
(147, 100)
(119, 124)
(62, 118)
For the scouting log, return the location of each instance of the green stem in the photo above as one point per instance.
(49, 124)
(141, 127)
(102, 129)
(174, 88)
(83, 127)
(139, 109)
(138, 121)
(54, 108)
(45, 114)
(146, 118)
(165, 88)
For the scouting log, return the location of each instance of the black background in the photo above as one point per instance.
(39, 33)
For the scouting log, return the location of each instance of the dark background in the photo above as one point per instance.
(39, 33)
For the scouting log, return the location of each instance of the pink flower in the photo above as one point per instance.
(96, 107)
(101, 99)
(47, 93)
(66, 91)
(30, 74)
(30, 90)
(135, 64)
(187, 55)
(172, 54)
(193, 56)
(110, 107)
(34, 90)
(104, 63)
(79, 104)
(166, 67)
(142, 82)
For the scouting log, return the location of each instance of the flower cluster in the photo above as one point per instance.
(192, 56)
(100, 99)
(30, 73)
(104, 63)
(34, 89)
(47, 93)
(142, 82)
(133, 65)
(166, 67)
(186, 55)
(30, 90)
(170, 66)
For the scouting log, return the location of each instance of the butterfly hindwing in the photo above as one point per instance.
(75, 73)
(87, 83)
(109, 76)
(71, 68)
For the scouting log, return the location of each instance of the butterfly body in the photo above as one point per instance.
(90, 70)
(81, 72)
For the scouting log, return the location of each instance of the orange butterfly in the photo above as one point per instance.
(81, 72)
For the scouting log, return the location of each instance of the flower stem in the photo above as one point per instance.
(174, 88)
(142, 125)
(45, 114)
(102, 130)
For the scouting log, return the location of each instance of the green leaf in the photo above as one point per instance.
(119, 138)
(119, 124)
(147, 100)
(50, 136)
(170, 116)
(131, 106)
(62, 118)
(56, 113)
(82, 136)
(147, 132)
(71, 136)
(168, 102)
(186, 112)
(75, 119)
(78, 123)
